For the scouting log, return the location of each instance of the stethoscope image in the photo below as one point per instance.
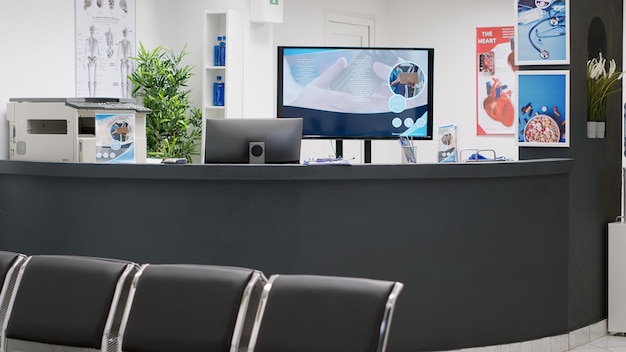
(555, 19)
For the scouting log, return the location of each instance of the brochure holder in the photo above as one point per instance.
(409, 150)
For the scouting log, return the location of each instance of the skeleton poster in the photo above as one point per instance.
(105, 42)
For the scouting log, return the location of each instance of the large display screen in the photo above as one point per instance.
(362, 93)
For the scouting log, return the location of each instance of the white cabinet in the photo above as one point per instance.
(223, 23)
(617, 278)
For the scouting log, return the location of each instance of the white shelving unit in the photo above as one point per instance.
(220, 23)
(617, 278)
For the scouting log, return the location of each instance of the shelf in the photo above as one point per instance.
(616, 278)
(219, 23)
(230, 24)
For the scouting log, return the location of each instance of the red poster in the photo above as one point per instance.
(495, 81)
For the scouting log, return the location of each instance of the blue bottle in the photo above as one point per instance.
(222, 51)
(218, 92)
(216, 52)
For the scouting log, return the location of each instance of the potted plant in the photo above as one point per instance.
(600, 85)
(174, 127)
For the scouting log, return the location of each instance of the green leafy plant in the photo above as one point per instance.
(174, 127)
(600, 85)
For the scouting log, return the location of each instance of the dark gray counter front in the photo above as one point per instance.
(482, 248)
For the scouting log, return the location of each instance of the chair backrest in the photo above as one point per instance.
(191, 308)
(9, 268)
(312, 313)
(68, 303)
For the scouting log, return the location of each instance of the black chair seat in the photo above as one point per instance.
(308, 313)
(68, 301)
(192, 308)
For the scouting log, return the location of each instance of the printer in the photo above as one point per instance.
(86, 130)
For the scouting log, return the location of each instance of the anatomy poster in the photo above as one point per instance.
(543, 116)
(495, 79)
(542, 32)
(105, 41)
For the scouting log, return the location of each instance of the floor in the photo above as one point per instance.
(592, 338)
(615, 343)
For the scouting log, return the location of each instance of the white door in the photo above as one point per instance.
(342, 30)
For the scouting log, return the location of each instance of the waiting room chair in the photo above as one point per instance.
(191, 308)
(313, 313)
(68, 303)
(9, 268)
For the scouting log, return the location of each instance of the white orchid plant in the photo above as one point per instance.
(600, 85)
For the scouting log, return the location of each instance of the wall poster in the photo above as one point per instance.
(105, 41)
(542, 32)
(495, 79)
(543, 114)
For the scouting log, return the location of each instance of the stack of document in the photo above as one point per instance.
(326, 161)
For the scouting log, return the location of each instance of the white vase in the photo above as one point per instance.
(592, 129)
(600, 129)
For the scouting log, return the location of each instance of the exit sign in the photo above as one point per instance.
(266, 11)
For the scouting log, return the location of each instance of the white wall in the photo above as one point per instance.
(303, 20)
(37, 41)
(454, 40)
(170, 24)
(411, 23)
(303, 24)
(38, 45)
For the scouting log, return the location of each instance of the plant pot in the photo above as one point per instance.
(592, 129)
(600, 129)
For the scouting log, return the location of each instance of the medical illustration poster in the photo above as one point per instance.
(543, 114)
(542, 32)
(105, 41)
(115, 138)
(495, 80)
(447, 144)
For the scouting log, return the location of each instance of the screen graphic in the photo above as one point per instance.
(369, 93)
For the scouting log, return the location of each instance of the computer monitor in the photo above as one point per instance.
(357, 93)
(255, 141)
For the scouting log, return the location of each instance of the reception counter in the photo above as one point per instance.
(482, 248)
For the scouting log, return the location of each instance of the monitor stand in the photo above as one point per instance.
(367, 154)
(367, 145)
(338, 148)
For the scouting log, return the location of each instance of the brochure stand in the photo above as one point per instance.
(409, 150)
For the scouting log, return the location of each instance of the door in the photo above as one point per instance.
(342, 30)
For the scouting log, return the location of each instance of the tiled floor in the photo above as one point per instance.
(591, 338)
(615, 343)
